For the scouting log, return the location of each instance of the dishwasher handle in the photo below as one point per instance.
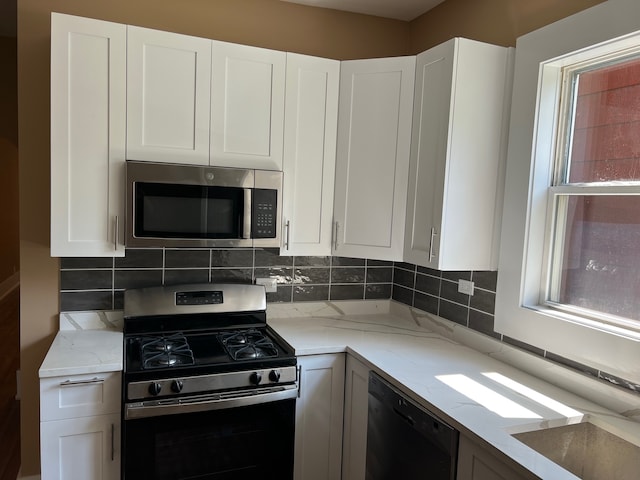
(407, 418)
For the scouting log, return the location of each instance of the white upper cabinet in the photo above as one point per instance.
(247, 106)
(197, 101)
(458, 147)
(374, 135)
(310, 129)
(168, 88)
(88, 105)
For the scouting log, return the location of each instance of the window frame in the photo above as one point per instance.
(534, 130)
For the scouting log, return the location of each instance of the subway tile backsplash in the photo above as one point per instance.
(99, 284)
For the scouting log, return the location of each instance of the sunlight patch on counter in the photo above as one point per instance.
(486, 397)
(548, 402)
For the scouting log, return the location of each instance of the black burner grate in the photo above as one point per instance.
(165, 351)
(248, 344)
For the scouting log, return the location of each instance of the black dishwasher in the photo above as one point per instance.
(404, 441)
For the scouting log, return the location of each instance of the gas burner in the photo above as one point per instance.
(248, 345)
(158, 352)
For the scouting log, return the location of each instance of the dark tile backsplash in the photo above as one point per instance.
(437, 293)
(99, 284)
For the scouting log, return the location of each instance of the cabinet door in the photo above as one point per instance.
(476, 462)
(247, 106)
(311, 117)
(457, 156)
(374, 134)
(81, 448)
(431, 110)
(88, 108)
(356, 397)
(168, 77)
(319, 412)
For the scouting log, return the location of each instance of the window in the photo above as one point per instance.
(569, 267)
(594, 244)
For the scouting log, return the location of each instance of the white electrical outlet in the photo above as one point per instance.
(270, 284)
(465, 286)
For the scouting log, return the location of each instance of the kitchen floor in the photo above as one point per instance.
(9, 406)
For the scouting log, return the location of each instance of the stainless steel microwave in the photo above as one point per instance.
(171, 205)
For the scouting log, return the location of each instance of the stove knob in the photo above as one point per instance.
(176, 386)
(274, 375)
(154, 388)
(255, 378)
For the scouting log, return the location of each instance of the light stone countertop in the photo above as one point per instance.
(87, 342)
(77, 352)
(424, 356)
(470, 390)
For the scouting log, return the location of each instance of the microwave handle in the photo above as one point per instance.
(246, 217)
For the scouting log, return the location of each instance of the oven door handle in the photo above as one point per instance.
(203, 403)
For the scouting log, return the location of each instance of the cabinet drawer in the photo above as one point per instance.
(79, 395)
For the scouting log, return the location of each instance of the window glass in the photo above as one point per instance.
(599, 264)
(605, 138)
(595, 238)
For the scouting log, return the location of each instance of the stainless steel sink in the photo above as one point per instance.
(587, 450)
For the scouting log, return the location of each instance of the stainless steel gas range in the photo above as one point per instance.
(209, 389)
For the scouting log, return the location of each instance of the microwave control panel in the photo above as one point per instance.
(264, 208)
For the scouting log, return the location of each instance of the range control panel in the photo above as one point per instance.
(199, 298)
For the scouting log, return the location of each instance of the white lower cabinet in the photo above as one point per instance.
(85, 448)
(356, 397)
(80, 427)
(319, 414)
(478, 462)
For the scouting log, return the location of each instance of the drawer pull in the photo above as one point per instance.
(71, 383)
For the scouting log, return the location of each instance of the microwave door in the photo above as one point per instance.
(246, 215)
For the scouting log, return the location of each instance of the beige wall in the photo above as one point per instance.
(493, 21)
(9, 246)
(266, 23)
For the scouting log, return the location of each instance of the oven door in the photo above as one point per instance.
(210, 439)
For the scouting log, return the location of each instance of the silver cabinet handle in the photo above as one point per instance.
(287, 227)
(71, 383)
(433, 234)
(299, 379)
(335, 230)
(116, 235)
